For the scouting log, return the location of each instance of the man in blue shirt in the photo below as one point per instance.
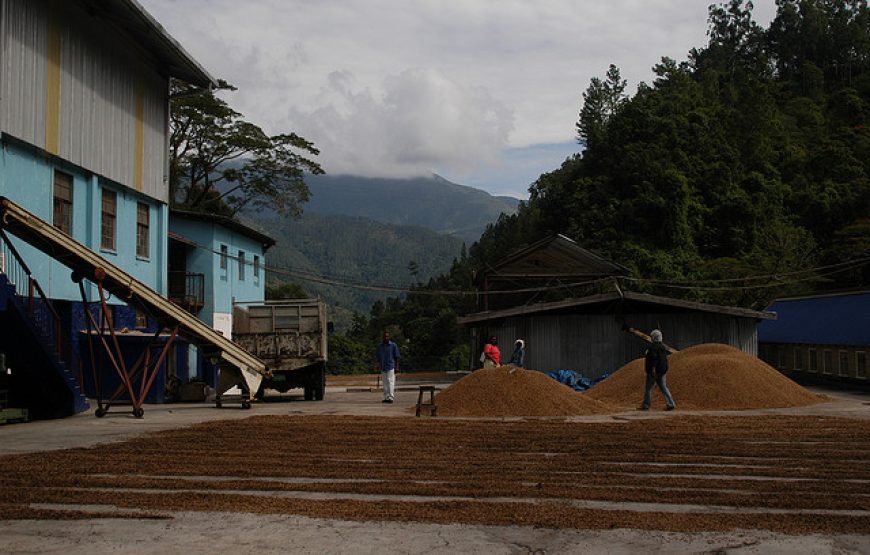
(387, 357)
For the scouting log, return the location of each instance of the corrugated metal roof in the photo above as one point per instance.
(639, 299)
(131, 18)
(821, 320)
(228, 223)
(554, 256)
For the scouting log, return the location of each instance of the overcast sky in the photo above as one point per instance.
(483, 92)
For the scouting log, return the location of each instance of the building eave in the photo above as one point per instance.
(132, 19)
(525, 310)
(226, 222)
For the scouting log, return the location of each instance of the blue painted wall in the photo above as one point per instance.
(27, 178)
(222, 285)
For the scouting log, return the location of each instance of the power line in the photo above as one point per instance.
(336, 282)
(847, 265)
(777, 279)
(778, 283)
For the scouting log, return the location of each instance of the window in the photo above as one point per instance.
(241, 265)
(256, 266)
(143, 230)
(828, 362)
(63, 185)
(108, 223)
(861, 364)
(224, 253)
(141, 320)
(844, 363)
(798, 358)
(814, 360)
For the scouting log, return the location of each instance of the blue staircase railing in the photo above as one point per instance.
(37, 312)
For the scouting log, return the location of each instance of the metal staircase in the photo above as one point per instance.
(238, 367)
(38, 353)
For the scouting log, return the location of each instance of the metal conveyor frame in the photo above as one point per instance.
(85, 263)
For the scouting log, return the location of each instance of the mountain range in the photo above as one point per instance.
(430, 202)
(360, 239)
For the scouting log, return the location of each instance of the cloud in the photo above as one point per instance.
(516, 168)
(416, 122)
(395, 86)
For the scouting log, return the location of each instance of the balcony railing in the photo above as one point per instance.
(187, 290)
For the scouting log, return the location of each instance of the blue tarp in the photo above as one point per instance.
(574, 379)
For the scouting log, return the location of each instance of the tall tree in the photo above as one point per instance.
(221, 163)
(601, 100)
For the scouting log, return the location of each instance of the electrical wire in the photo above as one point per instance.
(776, 280)
(337, 282)
(777, 283)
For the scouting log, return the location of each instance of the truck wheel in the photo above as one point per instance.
(309, 393)
(319, 383)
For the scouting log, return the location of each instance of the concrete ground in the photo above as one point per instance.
(267, 534)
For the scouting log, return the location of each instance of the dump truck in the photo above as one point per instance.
(290, 336)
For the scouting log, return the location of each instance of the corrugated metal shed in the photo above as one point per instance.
(821, 320)
(586, 334)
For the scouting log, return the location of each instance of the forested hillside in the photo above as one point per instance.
(749, 159)
(430, 202)
(736, 176)
(325, 254)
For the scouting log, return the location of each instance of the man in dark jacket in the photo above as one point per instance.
(387, 357)
(656, 366)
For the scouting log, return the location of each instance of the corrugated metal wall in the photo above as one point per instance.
(112, 106)
(595, 343)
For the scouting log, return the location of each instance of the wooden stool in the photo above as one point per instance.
(433, 409)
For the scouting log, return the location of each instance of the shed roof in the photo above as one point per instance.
(129, 17)
(555, 256)
(840, 319)
(639, 300)
(228, 223)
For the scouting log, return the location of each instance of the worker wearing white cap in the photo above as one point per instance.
(656, 366)
(519, 354)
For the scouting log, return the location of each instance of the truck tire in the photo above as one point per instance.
(319, 379)
(309, 393)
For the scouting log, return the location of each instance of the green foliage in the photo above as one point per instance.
(279, 290)
(737, 176)
(221, 163)
(355, 250)
(349, 356)
(430, 202)
(752, 152)
(601, 101)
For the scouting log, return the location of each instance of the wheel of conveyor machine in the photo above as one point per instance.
(100, 412)
(246, 404)
(138, 412)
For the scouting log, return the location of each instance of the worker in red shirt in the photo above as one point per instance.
(491, 353)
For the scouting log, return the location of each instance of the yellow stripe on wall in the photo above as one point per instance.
(52, 85)
(139, 164)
